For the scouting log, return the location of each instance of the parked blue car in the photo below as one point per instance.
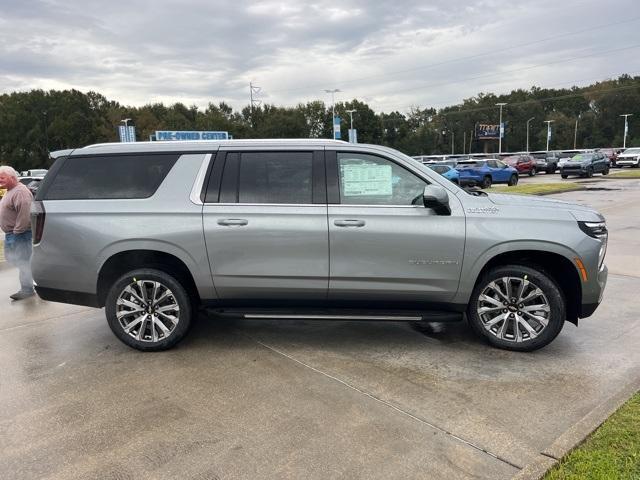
(446, 171)
(486, 172)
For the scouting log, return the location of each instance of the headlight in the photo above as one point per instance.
(597, 230)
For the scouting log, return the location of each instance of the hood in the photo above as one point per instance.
(581, 212)
(629, 155)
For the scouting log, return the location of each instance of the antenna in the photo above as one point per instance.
(253, 90)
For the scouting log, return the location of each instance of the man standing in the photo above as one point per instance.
(15, 222)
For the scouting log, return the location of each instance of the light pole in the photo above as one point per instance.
(350, 112)
(528, 133)
(626, 129)
(575, 132)
(126, 121)
(501, 129)
(548, 122)
(333, 109)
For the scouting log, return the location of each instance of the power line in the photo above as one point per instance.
(571, 83)
(503, 72)
(547, 99)
(460, 59)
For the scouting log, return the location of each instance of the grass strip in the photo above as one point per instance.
(611, 452)
(537, 188)
(626, 173)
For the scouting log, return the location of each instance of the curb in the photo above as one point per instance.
(576, 434)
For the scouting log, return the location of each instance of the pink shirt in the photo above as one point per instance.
(15, 210)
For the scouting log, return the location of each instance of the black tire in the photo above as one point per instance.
(178, 295)
(564, 176)
(513, 181)
(532, 172)
(537, 276)
(605, 171)
(486, 182)
(589, 172)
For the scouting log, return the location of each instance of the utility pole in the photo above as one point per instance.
(333, 109)
(528, 132)
(46, 133)
(626, 129)
(453, 136)
(253, 89)
(464, 142)
(575, 133)
(501, 104)
(548, 122)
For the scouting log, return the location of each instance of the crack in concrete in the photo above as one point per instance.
(385, 403)
(549, 456)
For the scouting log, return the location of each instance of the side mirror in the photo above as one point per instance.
(436, 197)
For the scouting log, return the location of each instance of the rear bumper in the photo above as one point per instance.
(66, 296)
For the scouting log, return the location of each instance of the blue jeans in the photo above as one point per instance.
(17, 251)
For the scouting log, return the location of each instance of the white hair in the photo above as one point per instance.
(8, 171)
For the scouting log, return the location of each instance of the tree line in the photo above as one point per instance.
(35, 122)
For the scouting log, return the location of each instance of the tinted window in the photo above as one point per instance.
(370, 180)
(104, 177)
(492, 163)
(275, 177)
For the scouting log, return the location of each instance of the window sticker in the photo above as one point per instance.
(366, 179)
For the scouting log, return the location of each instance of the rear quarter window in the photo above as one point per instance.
(110, 177)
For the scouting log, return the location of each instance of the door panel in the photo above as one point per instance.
(265, 225)
(268, 251)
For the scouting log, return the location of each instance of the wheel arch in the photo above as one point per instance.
(123, 262)
(557, 265)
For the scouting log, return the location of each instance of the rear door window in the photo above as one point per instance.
(268, 177)
(110, 177)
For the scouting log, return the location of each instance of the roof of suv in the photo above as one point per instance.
(194, 145)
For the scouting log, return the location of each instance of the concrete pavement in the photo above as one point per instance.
(240, 399)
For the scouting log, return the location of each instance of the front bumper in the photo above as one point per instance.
(592, 299)
(630, 162)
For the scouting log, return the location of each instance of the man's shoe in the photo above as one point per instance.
(22, 295)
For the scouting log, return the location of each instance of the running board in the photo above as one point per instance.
(344, 315)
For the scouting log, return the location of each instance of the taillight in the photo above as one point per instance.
(38, 215)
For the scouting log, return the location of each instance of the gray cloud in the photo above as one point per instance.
(393, 55)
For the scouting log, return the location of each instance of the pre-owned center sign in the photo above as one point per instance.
(173, 135)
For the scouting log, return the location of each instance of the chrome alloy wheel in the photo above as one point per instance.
(513, 309)
(147, 311)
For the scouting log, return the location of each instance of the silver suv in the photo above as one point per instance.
(318, 229)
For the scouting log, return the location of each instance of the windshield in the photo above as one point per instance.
(582, 156)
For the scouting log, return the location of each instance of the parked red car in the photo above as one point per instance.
(610, 153)
(522, 163)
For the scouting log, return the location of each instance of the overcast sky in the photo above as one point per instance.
(392, 54)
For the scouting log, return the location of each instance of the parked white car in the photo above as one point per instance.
(630, 157)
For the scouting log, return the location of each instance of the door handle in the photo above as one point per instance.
(349, 223)
(233, 222)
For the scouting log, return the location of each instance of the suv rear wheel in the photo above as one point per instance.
(148, 309)
(516, 307)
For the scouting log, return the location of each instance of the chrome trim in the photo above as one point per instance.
(334, 317)
(307, 205)
(197, 186)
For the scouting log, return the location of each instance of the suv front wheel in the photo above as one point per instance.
(516, 307)
(148, 309)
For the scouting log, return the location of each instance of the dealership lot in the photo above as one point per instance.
(304, 399)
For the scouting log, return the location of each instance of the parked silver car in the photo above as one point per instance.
(305, 229)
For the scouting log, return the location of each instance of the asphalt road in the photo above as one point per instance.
(303, 399)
